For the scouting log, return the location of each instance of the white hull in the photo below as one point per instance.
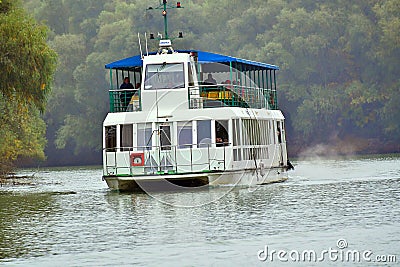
(196, 180)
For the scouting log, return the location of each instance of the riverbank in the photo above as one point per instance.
(13, 179)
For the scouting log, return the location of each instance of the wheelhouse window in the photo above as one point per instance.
(164, 76)
(111, 138)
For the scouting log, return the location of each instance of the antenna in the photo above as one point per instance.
(164, 6)
(147, 49)
(140, 46)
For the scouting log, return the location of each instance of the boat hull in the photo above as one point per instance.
(196, 181)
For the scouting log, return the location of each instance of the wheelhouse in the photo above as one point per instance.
(209, 80)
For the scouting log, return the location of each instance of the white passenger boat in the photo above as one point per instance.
(193, 119)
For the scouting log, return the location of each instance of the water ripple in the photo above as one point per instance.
(70, 216)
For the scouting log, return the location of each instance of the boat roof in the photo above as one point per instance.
(203, 58)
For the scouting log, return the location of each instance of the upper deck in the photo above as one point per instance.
(196, 79)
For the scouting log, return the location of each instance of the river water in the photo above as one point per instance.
(68, 217)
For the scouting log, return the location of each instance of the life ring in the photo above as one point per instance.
(137, 159)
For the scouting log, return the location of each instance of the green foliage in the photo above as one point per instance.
(22, 131)
(27, 65)
(26, 61)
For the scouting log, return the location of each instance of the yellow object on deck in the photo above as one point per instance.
(133, 99)
(213, 95)
(225, 95)
(218, 95)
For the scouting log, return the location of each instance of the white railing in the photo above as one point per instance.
(161, 160)
(220, 95)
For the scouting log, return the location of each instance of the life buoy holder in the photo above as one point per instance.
(137, 159)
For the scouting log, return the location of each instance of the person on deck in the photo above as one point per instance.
(126, 84)
(126, 96)
(210, 79)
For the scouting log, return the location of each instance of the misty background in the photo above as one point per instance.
(338, 85)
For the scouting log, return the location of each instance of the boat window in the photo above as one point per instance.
(144, 136)
(257, 132)
(204, 133)
(126, 137)
(164, 76)
(245, 132)
(185, 136)
(221, 133)
(111, 138)
(165, 137)
(236, 133)
(273, 135)
(265, 132)
(262, 131)
(237, 155)
(191, 80)
(248, 132)
(253, 132)
(283, 130)
(219, 73)
(279, 131)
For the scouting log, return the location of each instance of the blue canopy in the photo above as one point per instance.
(203, 58)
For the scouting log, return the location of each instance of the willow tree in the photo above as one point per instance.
(27, 65)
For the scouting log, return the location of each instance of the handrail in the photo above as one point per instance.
(233, 95)
(122, 100)
(180, 147)
(175, 159)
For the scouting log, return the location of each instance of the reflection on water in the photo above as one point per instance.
(21, 221)
(323, 201)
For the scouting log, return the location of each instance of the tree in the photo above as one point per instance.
(27, 65)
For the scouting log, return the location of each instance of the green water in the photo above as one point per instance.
(68, 217)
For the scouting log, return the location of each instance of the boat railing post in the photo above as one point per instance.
(224, 157)
(140, 99)
(189, 98)
(191, 158)
(209, 161)
(115, 161)
(106, 169)
(159, 159)
(150, 158)
(176, 162)
(130, 166)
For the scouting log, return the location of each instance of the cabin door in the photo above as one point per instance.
(166, 159)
